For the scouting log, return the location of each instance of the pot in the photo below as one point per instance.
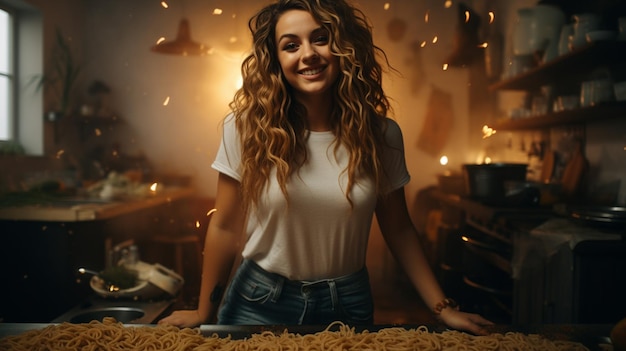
(532, 193)
(486, 182)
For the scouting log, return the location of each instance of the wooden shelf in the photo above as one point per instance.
(578, 116)
(96, 119)
(568, 71)
(574, 66)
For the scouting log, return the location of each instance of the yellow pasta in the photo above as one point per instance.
(110, 335)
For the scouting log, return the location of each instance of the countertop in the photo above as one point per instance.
(81, 209)
(594, 336)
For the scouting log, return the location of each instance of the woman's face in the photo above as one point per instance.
(304, 53)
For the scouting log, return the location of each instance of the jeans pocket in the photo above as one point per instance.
(357, 308)
(253, 291)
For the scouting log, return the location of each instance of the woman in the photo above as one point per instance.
(307, 157)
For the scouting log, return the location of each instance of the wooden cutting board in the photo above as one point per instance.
(547, 167)
(573, 172)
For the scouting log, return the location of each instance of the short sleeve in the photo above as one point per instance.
(228, 158)
(394, 162)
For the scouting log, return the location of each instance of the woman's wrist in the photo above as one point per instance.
(443, 304)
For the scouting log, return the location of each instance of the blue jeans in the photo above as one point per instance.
(257, 297)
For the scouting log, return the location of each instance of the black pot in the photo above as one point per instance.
(486, 182)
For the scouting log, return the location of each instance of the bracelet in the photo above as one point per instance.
(447, 302)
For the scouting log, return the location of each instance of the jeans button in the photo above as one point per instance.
(306, 290)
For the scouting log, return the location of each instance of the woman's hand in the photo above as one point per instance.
(470, 322)
(183, 319)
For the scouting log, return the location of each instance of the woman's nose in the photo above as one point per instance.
(309, 53)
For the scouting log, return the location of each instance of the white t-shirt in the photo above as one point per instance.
(317, 235)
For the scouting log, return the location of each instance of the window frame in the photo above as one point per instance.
(11, 75)
(28, 125)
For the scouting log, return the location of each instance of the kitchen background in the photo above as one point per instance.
(161, 113)
(170, 106)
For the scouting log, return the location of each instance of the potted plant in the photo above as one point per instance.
(60, 77)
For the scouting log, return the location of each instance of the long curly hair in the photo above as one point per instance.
(272, 124)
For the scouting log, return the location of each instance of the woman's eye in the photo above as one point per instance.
(290, 46)
(322, 39)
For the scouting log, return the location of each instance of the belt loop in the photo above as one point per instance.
(332, 286)
(278, 288)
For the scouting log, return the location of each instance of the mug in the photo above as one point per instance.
(566, 31)
(621, 27)
(583, 24)
(596, 91)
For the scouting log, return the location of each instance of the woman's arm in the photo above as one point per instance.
(403, 241)
(221, 248)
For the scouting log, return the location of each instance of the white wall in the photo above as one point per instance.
(182, 137)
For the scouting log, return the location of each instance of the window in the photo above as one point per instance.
(6, 75)
(21, 61)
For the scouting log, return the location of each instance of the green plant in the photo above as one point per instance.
(61, 74)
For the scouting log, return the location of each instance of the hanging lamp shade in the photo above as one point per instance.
(183, 44)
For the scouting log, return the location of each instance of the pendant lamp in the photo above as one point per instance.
(183, 44)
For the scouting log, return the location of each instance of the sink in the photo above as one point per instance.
(121, 314)
(125, 311)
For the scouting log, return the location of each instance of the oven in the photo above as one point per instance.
(475, 252)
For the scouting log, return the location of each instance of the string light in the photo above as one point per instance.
(488, 131)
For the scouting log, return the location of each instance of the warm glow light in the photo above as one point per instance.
(97, 132)
(492, 16)
(217, 11)
(483, 45)
(211, 212)
(164, 5)
(197, 224)
(386, 6)
(167, 101)
(487, 160)
(435, 39)
(160, 40)
(464, 238)
(238, 83)
(488, 131)
(153, 187)
(426, 16)
(447, 4)
(445, 66)
(467, 16)
(60, 153)
(443, 160)
(422, 44)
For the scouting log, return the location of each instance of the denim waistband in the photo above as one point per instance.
(250, 267)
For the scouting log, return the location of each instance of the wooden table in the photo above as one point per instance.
(82, 209)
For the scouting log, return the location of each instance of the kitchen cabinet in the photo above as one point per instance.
(42, 247)
(536, 265)
(565, 73)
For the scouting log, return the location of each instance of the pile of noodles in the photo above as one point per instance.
(112, 335)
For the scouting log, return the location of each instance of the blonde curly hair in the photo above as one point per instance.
(272, 124)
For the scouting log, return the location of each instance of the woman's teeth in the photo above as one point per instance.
(310, 72)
